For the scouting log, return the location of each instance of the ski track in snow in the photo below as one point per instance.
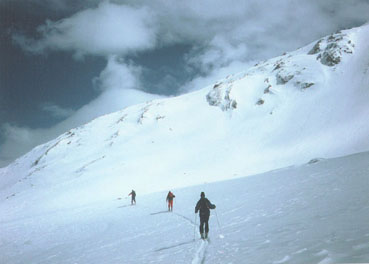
(185, 218)
(177, 214)
(123, 206)
(176, 245)
(200, 255)
(161, 212)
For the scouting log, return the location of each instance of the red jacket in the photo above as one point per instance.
(170, 196)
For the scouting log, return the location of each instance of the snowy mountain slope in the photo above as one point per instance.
(313, 213)
(302, 105)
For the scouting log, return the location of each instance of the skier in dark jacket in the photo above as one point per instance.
(170, 197)
(204, 205)
(133, 197)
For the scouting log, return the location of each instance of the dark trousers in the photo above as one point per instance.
(204, 220)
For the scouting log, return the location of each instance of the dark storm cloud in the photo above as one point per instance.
(221, 37)
(61, 6)
(2, 109)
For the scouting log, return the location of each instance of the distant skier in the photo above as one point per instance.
(170, 197)
(204, 205)
(133, 197)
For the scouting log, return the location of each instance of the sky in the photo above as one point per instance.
(66, 62)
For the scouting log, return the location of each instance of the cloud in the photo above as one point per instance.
(56, 111)
(105, 30)
(217, 54)
(17, 140)
(118, 74)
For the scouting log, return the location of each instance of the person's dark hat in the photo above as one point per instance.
(202, 194)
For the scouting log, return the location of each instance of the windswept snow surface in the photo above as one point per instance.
(314, 213)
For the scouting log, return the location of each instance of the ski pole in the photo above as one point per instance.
(194, 229)
(220, 229)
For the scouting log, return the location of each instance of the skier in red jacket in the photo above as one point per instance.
(170, 197)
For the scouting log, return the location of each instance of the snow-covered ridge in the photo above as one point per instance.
(284, 111)
(291, 67)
